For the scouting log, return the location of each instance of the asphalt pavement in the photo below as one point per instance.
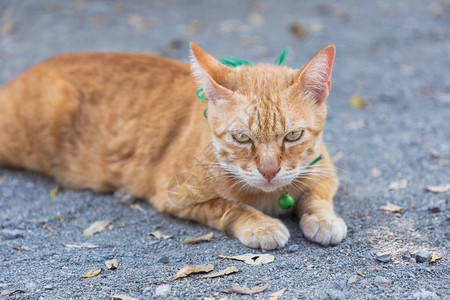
(388, 130)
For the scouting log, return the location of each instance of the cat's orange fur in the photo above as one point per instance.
(108, 121)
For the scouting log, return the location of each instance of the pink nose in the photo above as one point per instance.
(269, 173)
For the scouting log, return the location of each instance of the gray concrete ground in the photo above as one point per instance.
(393, 54)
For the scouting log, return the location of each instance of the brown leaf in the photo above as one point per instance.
(16, 291)
(18, 248)
(438, 188)
(96, 227)
(190, 269)
(92, 273)
(277, 295)
(137, 206)
(123, 297)
(398, 185)
(435, 257)
(227, 271)
(112, 264)
(249, 291)
(194, 240)
(360, 274)
(297, 30)
(157, 234)
(63, 218)
(6, 27)
(392, 207)
(252, 259)
(83, 245)
(49, 228)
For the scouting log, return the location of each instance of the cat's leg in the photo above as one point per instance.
(318, 221)
(252, 227)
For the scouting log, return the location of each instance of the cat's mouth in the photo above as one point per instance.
(267, 186)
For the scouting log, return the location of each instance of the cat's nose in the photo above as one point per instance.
(269, 173)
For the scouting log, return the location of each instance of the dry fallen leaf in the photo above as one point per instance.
(97, 227)
(252, 259)
(190, 269)
(16, 291)
(249, 291)
(83, 245)
(122, 297)
(112, 264)
(194, 240)
(398, 185)
(375, 172)
(227, 271)
(392, 207)
(137, 206)
(360, 274)
(298, 30)
(63, 218)
(157, 234)
(435, 257)
(92, 273)
(358, 102)
(356, 125)
(438, 188)
(53, 192)
(49, 228)
(337, 157)
(277, 295)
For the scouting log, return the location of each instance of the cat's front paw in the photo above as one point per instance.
(267, 233)
(324, 230)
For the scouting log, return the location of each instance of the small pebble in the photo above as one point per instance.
(381, 282)
(48, 287)
(163, 291)
(293, 248)
(147, 290)
(336, 295)
(423, 256)
(384, 257)
(352, 279)
(164, 260)
(406, 255)
(11, 234)
(426, 295)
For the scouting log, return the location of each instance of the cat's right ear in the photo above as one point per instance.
(315, 77)
(214, 77)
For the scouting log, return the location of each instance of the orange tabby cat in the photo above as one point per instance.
(108, 121)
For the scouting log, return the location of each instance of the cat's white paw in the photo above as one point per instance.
(266, 234)
(323, 230)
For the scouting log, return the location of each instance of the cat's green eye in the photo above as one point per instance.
(293, 136)
(241, 138)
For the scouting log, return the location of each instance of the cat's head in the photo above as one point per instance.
(266, 120)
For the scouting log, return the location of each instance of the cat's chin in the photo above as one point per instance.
(268, 187)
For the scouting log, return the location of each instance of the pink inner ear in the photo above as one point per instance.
(212, 75)
(316, 75)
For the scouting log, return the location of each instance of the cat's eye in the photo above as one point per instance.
(293, 136)
(241, 138)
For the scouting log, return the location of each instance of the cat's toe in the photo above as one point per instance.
(268, 235)
(323, 230)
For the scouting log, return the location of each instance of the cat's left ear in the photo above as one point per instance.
(214, 77)
(315, 77)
